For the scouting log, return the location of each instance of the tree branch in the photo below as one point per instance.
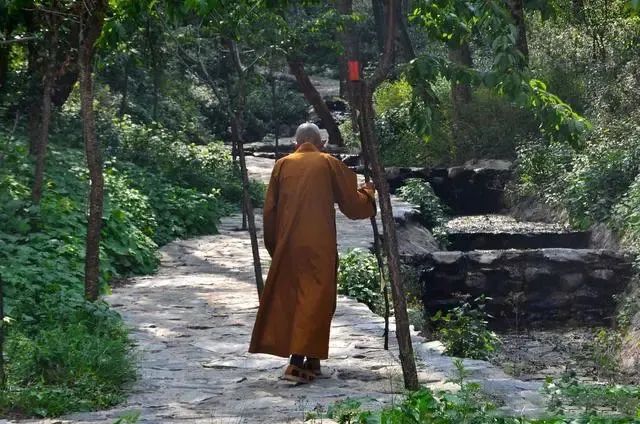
(18, 40)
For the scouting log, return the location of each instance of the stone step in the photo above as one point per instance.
(489, 232)
(492, 241)
(541, 288)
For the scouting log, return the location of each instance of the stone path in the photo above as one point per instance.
(192, 322)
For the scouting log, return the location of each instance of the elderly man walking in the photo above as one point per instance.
(299, 298)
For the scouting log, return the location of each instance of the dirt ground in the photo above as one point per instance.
(534, 355)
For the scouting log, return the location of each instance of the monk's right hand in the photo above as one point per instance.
(368, 186)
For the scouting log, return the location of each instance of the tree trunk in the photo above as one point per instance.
(345, 8)
(274, 114)
(41, 143)
(577, 9)
(461, 92)
(92, 19)
(370, 145)
(248, 205)
(4, 68)
(516, 7)
(125, 90)
(313, 97)
(403, 32)
(236, 134)
(378, 19)
(362, 98)
(377, 250)
(42, 139)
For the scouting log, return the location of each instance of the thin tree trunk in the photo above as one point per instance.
(378, 253)
(93, 20)
(378, 18)
(274, 115)
(577, 8)
(362, 93)
(4, 68)
(125, 90)
(42, 140)
(236, 134)
(370, 145)
(4, 60)
(461, 92)
(313, 97)
(516, 7)
(403, 32)
(345, 8)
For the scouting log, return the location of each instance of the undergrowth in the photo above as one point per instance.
(63, 353)
(570, 403)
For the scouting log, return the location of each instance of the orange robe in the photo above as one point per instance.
(299, 297)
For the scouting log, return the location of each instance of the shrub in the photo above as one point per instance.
(392, 95)
(567, 394)
(479, 130)
(420, 193)
(65, 354)
(359, 277)
(399, 143)
(602, 174)
(206, 168)
(626, 215)
(464, 330)
(79, 359)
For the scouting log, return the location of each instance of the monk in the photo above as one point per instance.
(299, 297)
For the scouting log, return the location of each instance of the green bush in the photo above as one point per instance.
(65, 354)
(473, 130)
(359, 277)
(399, 143)
(626, 215)
(603, 173)
(79, 359)
(420, 193)
(479, 129)
(568, 394)
(206, 168)
(464, 330)
(571, 403)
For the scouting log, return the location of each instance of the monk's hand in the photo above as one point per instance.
(368, 186)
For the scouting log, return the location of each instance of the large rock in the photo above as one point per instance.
(554, 287)
(473, 188)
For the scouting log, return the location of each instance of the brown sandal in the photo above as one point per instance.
(298, 375)
(313, 365)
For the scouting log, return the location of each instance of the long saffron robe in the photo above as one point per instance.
(299, 297)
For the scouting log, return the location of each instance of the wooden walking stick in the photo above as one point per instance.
(376, 249)
(354, 77)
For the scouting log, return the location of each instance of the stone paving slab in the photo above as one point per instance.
(191, 323)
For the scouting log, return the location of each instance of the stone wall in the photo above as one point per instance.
(556, 287)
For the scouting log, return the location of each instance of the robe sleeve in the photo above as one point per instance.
(353, 202)
(270, 211)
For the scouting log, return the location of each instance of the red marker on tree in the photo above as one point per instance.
(354, 70)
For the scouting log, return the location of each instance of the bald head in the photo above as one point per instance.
(309, 133)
